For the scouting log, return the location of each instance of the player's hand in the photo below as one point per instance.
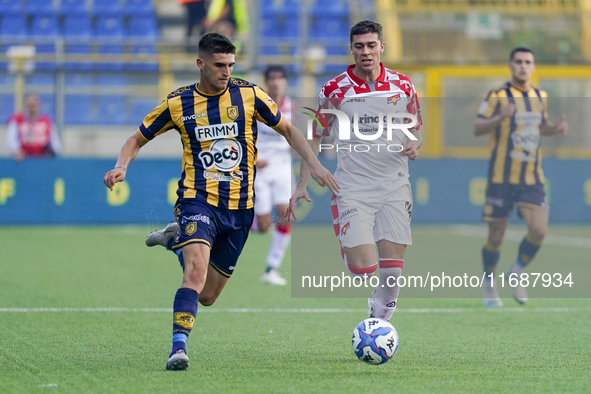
(299, 193)
(561, 127)
(324, 178)
(410, 150)
(508, 110)
(114, 176)
(262, 164)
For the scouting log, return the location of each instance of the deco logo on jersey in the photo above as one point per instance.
(223, 155)
(217, 131)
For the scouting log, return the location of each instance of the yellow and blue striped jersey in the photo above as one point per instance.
(516, 155)
(219, 134)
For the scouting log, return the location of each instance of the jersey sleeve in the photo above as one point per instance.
(490, 105)
(266, 110)
(322, 126)
(413, 107)
(157, 122)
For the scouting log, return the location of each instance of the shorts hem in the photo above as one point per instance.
(221, 271)
(200, 241)
(522, 204)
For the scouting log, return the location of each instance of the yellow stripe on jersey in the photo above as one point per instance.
(218, 139)
(502, 143)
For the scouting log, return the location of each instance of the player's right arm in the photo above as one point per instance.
(300, 190)
(155, 123)
(128, 152)
(490, 114)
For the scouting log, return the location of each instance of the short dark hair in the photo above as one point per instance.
(364, 27)
(275, 69)
(520, 49)
(212, 43)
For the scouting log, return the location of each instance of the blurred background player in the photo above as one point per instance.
(374, 205)
(273, 184)
(32, 134)
(196, 11)
(515, 116)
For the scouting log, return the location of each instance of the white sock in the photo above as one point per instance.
(390, 271)
(279, 244)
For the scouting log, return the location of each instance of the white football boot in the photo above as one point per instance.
(178, 361)
(490, 294)
(381, 307)
(519, 292)
(161, 237)
(273, 278)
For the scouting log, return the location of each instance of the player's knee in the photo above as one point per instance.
(537, 234)
(207, 300)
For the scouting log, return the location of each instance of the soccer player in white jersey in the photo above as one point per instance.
(273, 183)
(374, 205)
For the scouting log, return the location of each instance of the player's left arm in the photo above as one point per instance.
(411, 148)
(298, 142)
(559, 128)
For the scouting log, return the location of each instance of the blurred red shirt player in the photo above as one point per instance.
(31, 134)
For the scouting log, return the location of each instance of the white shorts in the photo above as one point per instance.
(272, 186)
(366, 221)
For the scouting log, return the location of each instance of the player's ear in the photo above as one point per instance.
(383, 45)
(200, 63)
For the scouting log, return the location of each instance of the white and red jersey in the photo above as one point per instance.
(36, 137)
(270, 144)
(367, 166)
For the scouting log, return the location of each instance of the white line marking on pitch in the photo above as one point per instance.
(515, 235)
(290, 310)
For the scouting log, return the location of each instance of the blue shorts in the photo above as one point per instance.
(225, 231)
(500, 199)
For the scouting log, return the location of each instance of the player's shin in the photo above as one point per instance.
(386, 294)
(527, 250)
(184, 312)
(279, 244)
(490, 257)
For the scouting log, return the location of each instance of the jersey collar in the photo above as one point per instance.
(359, 81)
(209, 95)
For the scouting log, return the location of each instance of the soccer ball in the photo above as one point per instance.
(375, 341)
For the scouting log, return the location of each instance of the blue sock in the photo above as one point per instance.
(179, 254)
(490, 258)
(185, 310)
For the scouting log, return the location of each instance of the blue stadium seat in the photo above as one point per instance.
(10, 7)
(78, 80)
(108, 33)
(138, 8)
(6, 107)
(36, 79)
(142, 27)
(47, 104)
(14, 32)
(143, 34)
(13, 27)
(39, 7)
(73, 7)
(77, 33)
(141, 107)
(112, 110)
(106, 8)
(44, 30)
(329, 19)
(78, 109)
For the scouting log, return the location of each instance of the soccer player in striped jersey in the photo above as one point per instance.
(515, 116)
(216, 120)
(273, 185)
(372, 212)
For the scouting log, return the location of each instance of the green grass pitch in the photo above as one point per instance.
(272, 346)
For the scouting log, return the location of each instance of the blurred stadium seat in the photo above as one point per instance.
(10, 7)
(73, 7)
(77, 33)
(143, 33)
(111, 107)
(39, 7)
(106, 8)
(138, 8)
(140, 107)
(44, 29)
(6, 107)
(109, 29)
